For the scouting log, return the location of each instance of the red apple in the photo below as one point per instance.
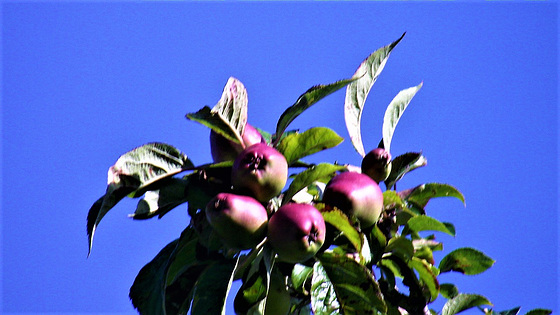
(223, 149)
(296, 232)
(355, 194)
(239, 221)
(260, 171)
(377, 164)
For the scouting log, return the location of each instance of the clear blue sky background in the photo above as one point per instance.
(83, 83)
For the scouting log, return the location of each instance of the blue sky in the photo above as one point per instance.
(83, 83)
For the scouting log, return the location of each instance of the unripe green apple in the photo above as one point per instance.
(278, 297)
(239, 221)
(355, 194)
(296, 231)
(260, 171)
(377, 164)
(223, 149)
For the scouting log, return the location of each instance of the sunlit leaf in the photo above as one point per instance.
(392, 200)
(147, 291)
(356, 290)
(340, 221)
(394, 112)
(357, 92)
(298, 145)
(323, 295)
(422, 194)
(425, 223)
(310, 97)
(319, 172)
(300, 275)
(229, 116)
(463, 302)
(135, 172)
(466, 260)
(403, 164)
(427, 276)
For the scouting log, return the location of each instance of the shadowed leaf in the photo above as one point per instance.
(212, 288)
(147, 291)
(403, 164)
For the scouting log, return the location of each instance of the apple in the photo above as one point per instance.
(223, 149)
(377, 164)
(355, 194)
(239, 221)
(278, 297)
(260, 171)
(296, 231)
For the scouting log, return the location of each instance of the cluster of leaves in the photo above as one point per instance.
(386, 269)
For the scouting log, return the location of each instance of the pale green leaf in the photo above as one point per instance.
(357, 92)
(394, 112)
(463, 302)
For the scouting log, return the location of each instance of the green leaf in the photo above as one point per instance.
(310, 97)
(539, 311)
(300, 275)
(256, 281)
(357, 292)
(341, 222)
(357, 92)
(229, 116)
(466, 260)
(147, 291)
(463, 302)
(377, 243)
(403, 164)
(161, 201)
(421, 194)
(427, 276)
(392, 200)
(448, 290)
(319, 172)
(513, 311)
(323, 295)
(298, 145)
(400, 245)
(425, 223)
(213, 286)
(139, 170)
(394, 112)
(184, 255)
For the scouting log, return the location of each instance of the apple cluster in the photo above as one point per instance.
(295, 231)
